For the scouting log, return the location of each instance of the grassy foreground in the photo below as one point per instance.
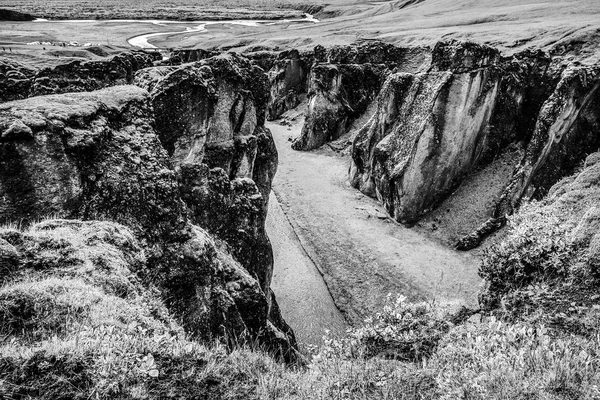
(77, 323)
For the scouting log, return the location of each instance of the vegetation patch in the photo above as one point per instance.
(547, 269)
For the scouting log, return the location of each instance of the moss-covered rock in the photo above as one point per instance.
(97, 155)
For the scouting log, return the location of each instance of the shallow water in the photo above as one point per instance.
(142, 40)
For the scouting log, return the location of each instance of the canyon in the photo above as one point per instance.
(412, 125)
(265, 196)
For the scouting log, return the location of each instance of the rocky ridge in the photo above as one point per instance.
(113, 154)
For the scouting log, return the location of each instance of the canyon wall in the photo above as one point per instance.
(187, 165)
(340, 83)
(433, 129)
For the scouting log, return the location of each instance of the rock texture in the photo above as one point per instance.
(432, 129)
(18, 81)
(288, 81)
(210, 117)
(338, 94)
(97, 156)
(342, 83)
(428, 132)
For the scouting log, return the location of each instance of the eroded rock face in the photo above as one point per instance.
(288, 81)
(566, 131)
(18, 81)
(338, 95)
(210, 117)
(432, 129)
(342, 83)
(429, 130)
(97, 156)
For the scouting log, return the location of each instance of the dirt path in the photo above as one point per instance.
(362, 255)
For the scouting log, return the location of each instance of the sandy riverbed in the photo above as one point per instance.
(362, 255)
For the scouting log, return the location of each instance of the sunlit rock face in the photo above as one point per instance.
(428, 132)
(434, 128)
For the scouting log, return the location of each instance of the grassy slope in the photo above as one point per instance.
(76, 323)
(511, 25)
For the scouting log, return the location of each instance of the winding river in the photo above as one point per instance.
(142, 40)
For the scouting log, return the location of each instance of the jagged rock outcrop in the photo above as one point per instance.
(404, 58)
(184, 56)
(429, 130)
(97, 156)
(338, 95)
(210, 117)
(84, 76)
(18, 81)
(566, 131)
(432, 129)
(290, 70)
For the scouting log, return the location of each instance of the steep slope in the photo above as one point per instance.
(96, 155)
(546, 269)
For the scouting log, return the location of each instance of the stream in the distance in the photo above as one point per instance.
(199, 26)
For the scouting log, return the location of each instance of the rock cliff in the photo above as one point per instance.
(433, 129)
(288, 81)
(97, 155)
(338, 94)
(342, 83)
(210, 117)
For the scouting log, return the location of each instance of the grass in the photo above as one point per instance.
(76, 323)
